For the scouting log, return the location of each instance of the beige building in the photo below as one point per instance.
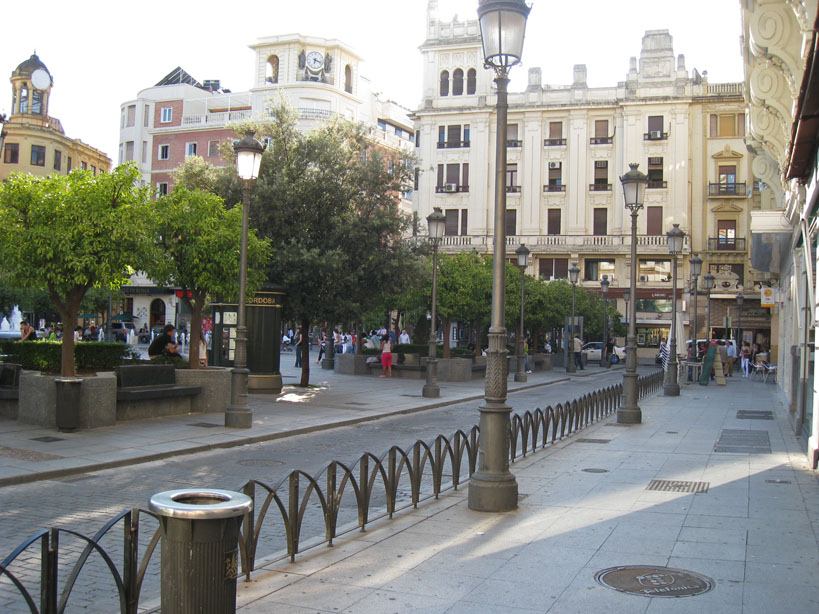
(32, 141)
(567, 146)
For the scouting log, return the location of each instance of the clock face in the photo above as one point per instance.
(315, 60)
(40, 79)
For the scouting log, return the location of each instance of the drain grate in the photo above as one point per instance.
(593, 470)
(47, 439)
(740, 441)
(678, 486)
(205, 425)
(778, 482)
(745, 414)
(617, 424)
(588, 440)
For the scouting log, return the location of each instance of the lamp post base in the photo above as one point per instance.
(238, 418)
(671, 390)
(629, 415)
(521, 377)
(493, 492)
(237, 415)
(431, 392)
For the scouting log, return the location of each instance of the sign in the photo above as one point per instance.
(180, 294)
(768, 297)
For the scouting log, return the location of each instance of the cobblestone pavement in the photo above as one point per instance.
(85, 502)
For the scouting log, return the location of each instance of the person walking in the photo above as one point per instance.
(723, 356)
(746, 359)
(732, 356)
(386, 356)
(296, 340)
(322, 346)
(578, 353)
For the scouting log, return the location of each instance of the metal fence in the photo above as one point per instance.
(339, 499)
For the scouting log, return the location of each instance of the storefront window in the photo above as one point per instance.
(651, 337)
(654, 305)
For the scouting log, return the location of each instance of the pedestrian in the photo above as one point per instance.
(297, 341)
(578, 352)
(404, 337)
(732, 356)
(203, 349)
(27, 332)
(723, 356)
(526, 354)
(322, 346)
(386, 356)
(746, 359)
(165, 344)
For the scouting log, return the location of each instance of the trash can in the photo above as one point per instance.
(200, 549)
(68, 403)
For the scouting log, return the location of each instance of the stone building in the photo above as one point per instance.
(567, 146)
(34, 142)
(781, 75)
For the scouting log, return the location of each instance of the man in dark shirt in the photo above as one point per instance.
(165, 344)
(27, 332)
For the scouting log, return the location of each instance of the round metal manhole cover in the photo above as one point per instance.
(654, 581)
(593, 470)
(260, 462)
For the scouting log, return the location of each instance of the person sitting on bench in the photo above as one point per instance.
(165, 344)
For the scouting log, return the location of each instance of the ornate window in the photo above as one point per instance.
(348, 79)
(458, 82)
(445, 83)
(272, 70)
(471, 80)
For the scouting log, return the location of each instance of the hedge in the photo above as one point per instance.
(46, 355)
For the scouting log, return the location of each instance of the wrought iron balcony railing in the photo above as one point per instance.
(599, 187)
(723, 244)
(657, 185)
(601, 140)
(554, 188)
(554, 142)
(655, 135)
(726, 189)
(453, 144)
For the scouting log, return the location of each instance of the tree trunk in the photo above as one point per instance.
(305, 353)
(68, 309)
(446, 325)
(196, 307)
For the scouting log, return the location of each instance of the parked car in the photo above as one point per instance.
(120, 330)
(592, 351)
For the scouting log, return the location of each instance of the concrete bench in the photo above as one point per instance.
(9, 381)
(142, 382)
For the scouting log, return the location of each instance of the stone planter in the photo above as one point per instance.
(351, 364)
(38, 400)
(215, 383)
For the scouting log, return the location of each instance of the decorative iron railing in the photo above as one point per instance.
(340, 498)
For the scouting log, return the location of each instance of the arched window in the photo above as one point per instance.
(445, 83)
(24, 99)
(471, 79)
(348, 79)
(272, 70)
(458, 82)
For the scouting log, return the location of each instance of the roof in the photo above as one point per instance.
(29, 66)
(177, 77)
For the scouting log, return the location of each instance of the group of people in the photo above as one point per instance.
(728, 353)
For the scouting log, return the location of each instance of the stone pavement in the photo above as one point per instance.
(750, 526)
(29, 453)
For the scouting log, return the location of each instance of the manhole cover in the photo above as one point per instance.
(589, 440)
(593, 470)
(654, 581)
(745, 414)
(259, 462)
(738, 441)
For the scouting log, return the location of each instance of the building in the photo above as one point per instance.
(567, 145)
(180, 117)
(31, 140)
(781, 76)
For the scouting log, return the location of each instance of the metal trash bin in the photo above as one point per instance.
(68, 403)
(200, 549)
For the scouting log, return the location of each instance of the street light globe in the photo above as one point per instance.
(503, 26)
(248, 157)
(523, 255)
(604, 283)
(574, 273)
(696, 266)
(436, 223)
(740, 299)
(634, 185)
(708, 281)
(676, 240)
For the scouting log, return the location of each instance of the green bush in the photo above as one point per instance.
(46, 355)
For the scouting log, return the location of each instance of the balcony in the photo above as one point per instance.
(657, 185)
(601, 140)
(647, 245)
(451, 188)
(514, 143)
(216, 119)
(554, 142)
(554, 188)
(513, 189)
(599, 187)
(655, 135)
(725, 244)
(452, 144)
(726, 189)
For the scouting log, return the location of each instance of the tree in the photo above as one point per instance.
(328, 201)
(464, 283)
(70, 233)
(196, 248)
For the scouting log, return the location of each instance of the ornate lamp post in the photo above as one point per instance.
(676, 241)
(708, 284)
(604, 286)
(740, 300)
(634, 189)
(695, 264)
(248, 160)
(574, 273)
(493, 488)
(523, 260)
(436, 223)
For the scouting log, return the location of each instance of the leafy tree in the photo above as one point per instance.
(70, 233)
(464, 283)
(195, 173)
(328, 201)
(197, 242)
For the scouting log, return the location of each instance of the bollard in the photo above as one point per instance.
(200, 549)
(68, 403)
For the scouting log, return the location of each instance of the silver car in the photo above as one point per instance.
(593, 349)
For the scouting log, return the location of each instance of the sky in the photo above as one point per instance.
(102, 57)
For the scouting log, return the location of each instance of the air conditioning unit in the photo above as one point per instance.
(601, 164)
(656, 134)
(451, 187)
(643, 277)
(553, 165)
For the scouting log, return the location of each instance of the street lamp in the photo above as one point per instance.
(248, 160)
(574, 273)
(436, 223)
(740, 300)
(523, 260)
(493, 488)
(634, 189)
(676, 241)
(604, 286)
(695, 264)
(708, 284)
